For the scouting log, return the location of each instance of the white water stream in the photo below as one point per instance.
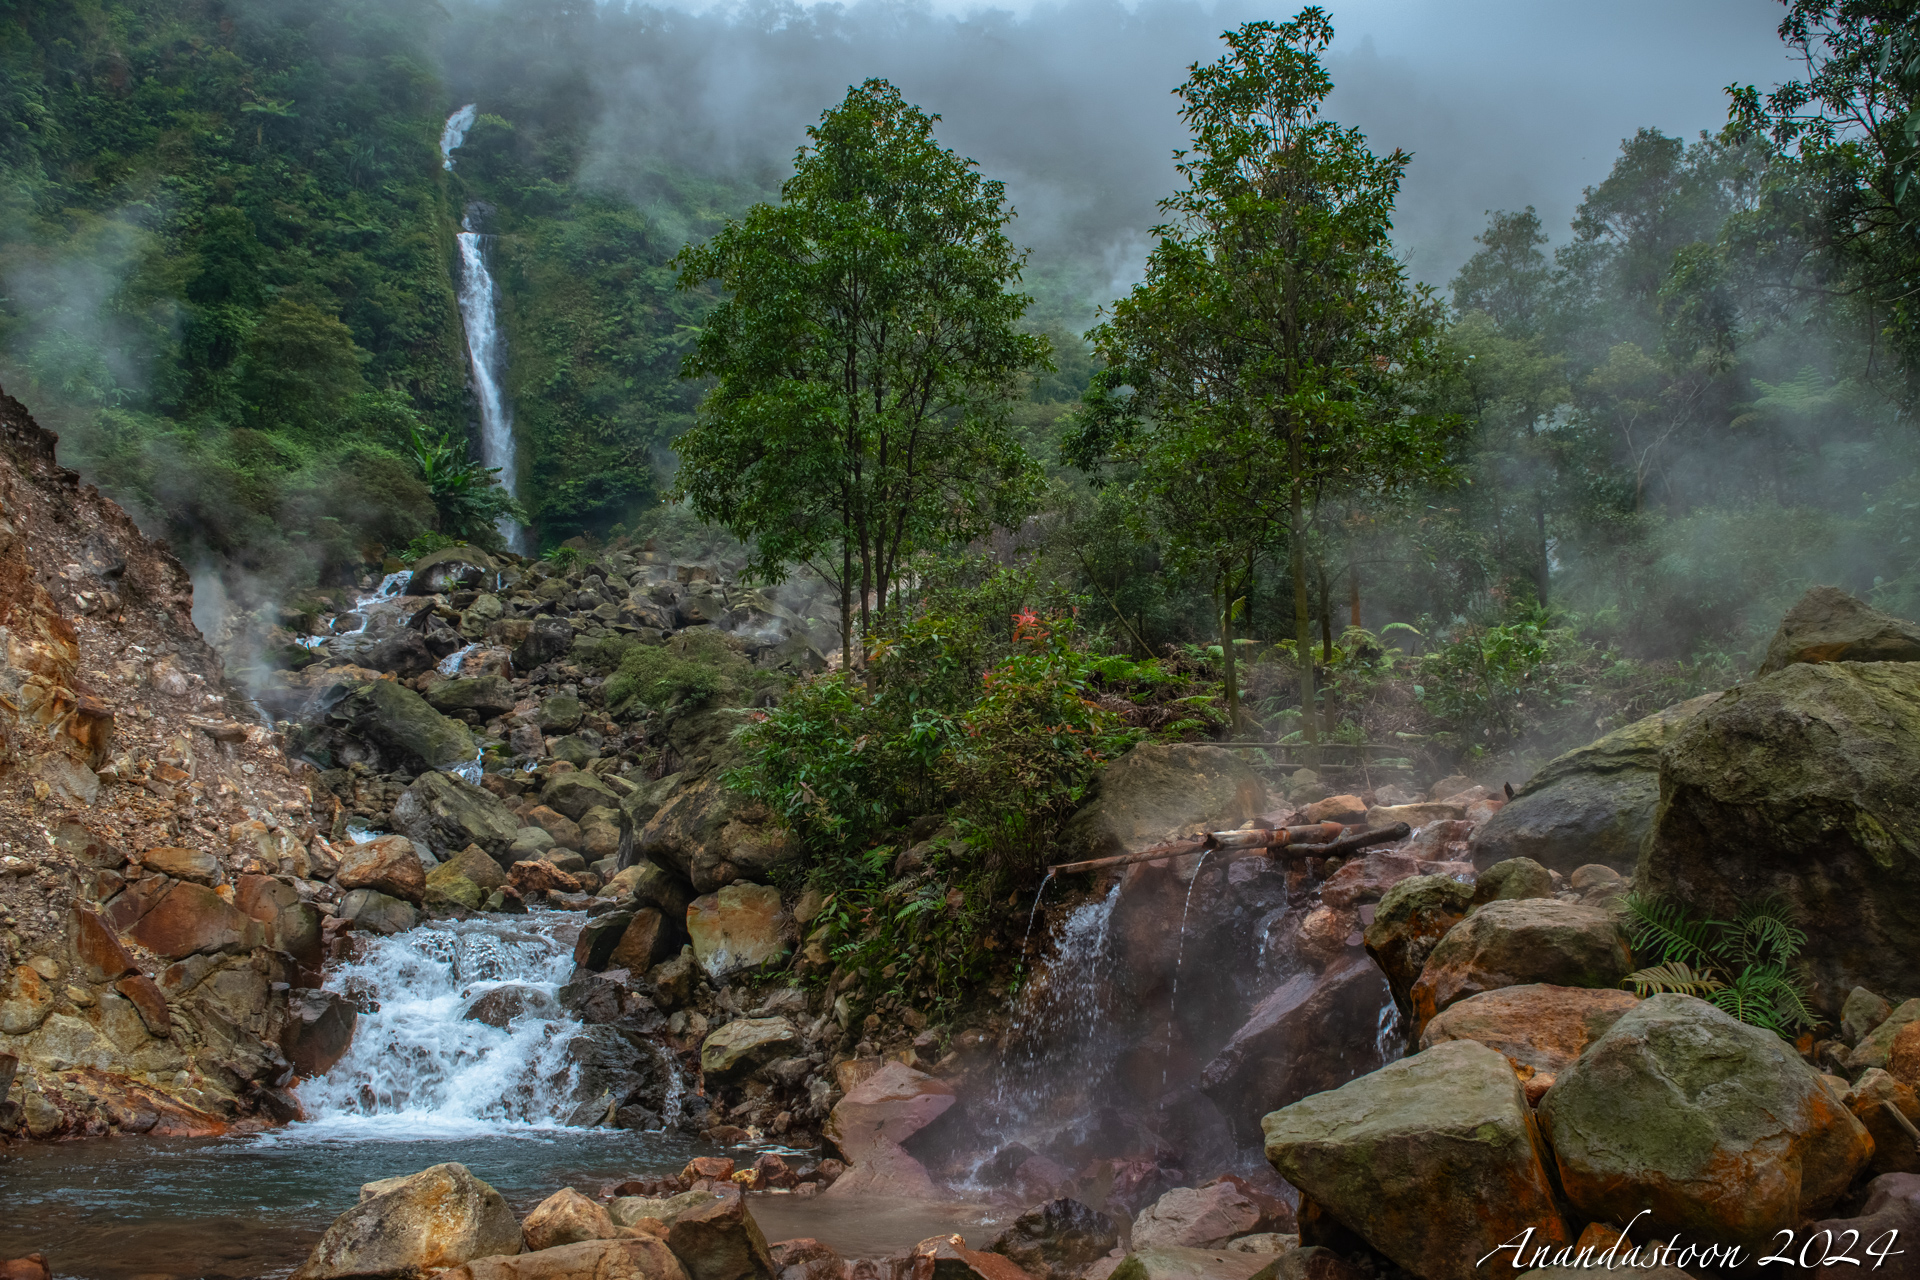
(480, 315)
(419, 1066)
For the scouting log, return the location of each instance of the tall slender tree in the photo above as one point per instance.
(1274, 350)
(865, 360)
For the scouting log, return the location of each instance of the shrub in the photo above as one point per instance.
(1745, 966)
(691, 668)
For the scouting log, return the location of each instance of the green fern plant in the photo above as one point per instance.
(1746, 966)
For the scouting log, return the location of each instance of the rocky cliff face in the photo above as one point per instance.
(151, 834)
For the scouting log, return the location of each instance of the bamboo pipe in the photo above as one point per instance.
(1318, 840)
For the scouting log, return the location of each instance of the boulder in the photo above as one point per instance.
(374, 912)
(1342, 809)
(1057, 1240)
(1539, 1025)
(1828, 625)
(598, 937)
(1434, 1161)
(711, 1233)
(744, 1045)
(548, 639)
(1196, 1218)
(465, 879)
(1414, 815)
(443, 814)
(1155, 791)
(1367, 879)
(95, 948)
(528, 878)
(1593, 804)
(648, 939)
(711, 836)
(575, 792)
(485, 696)
(740, 927)
(805, 1258)
(567, 1217)
(1315, 1032)
(1861, 1013)
(870, 1122)
(439, 1217)
(1514, 880)
(1876, 1047)
(319, 1031)
(636, 1258)
(1718, 1129)
(500, 1006)
(1188, 1264)
(1408, 924)
(451, 569)
(192, 919)
(557, 827)
(560, 713)
(407, 730)
(1888, 1223)
(1802, 784)
(184, 864)
(1511, 944)
(386, 863)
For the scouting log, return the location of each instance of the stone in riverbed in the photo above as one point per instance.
(399, 721)
(1408, 924)
(1315, 1032)
(567, 1217)
(1717, 1128)
(649, 939)
(745, 1044)
(948, 1258)
(1862, 1012)
(386, 863)
(1892, 1205)
(1514, 880)
(1829, 625)
(374, 912)
(184, 864)
(1538, 1025)
(1057, 1240)
(464, 879)
(439, 1217)
(740, 927)
(1510, 944)
(710, 1232)
(319, 1031)
(638, 1258)
(598, 937)
(1173, 1263)
(443, 814)
(1876, 1047)
(192, 919)
(1433, 1160)
(873, 1119)
(1196, 1218)
(485, 696)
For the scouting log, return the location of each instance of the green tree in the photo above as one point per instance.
(1274, 350)
(866, 360)
(1508, 277)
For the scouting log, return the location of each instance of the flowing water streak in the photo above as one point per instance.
(1179, 954)
(450, 665)
(418, 1065)
(1028, 935)
(480, 316)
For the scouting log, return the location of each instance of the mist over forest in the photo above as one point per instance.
(1672, 391)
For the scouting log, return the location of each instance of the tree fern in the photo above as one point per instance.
(1744, 966)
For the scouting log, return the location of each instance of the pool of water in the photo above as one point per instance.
(251, 1207)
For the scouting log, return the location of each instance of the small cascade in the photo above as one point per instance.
(450, 665)
(1062, 1025)
(420, 1064)
(480, 316)
(1179, 956)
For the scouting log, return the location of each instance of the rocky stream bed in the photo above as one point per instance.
(425, 959)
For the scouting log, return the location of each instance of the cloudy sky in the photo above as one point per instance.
(1504, 103)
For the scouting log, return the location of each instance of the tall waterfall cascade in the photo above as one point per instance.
(480, 317)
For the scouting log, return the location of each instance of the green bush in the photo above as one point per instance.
(1746, 966)
(691, 668)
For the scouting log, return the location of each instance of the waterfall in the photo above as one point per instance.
(423, 1062)
(479, 315)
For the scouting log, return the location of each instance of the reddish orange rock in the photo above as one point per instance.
(536, 876)
(96, 947)
(1540, 1025)
(193, 919)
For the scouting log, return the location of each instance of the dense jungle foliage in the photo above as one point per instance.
(1598, 464)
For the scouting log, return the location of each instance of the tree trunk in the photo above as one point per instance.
(1226, 651)
(1326, 616)
(1353, 595)
(1302, 624)
(1546, 567)
(846, 604)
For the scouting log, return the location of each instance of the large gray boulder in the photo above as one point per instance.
(1433, 1160)
(1716, 1128)
(1509, 944)
(439, 1217)
(451, 569)
(1828, 625)
(1156, 791)
(712, 836)
(1593, 804)
(407, 731)
(485, 696)
(1315, 1032)
(1803, 784)
(443, 814)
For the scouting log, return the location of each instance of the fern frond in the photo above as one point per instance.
(1767, 933)
(1664, 931)
(1673, 978)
